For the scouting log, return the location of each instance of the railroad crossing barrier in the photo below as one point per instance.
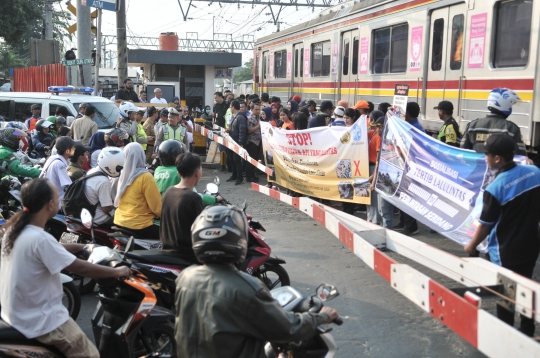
(460, 309)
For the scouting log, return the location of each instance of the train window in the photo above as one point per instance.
(390, 49)
(355, 56)
(296, 63)
(301, 62)
(437, 46)
(512, 33)
(320, 59)
(346, 57)
(280, 64)
(456, 53)
(266, 64)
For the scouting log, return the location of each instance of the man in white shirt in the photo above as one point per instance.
(31, 261)
(100, 90)
(55, 168)
(158, 98)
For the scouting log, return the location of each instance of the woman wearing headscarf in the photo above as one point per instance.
(292, 106)
(96, 144)
(137, 197)
(274, 107)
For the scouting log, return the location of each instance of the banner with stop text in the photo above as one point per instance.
(439, 185)
(326, 162)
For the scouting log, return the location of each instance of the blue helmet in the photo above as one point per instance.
(502, 99)
(17, 125)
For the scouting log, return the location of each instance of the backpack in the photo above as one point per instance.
(75, 199)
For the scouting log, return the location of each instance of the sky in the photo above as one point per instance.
(150, 18)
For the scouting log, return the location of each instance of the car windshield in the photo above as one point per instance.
(107, 114)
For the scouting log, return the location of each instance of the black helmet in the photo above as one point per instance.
(61, 121)
(220, 235)
(169, 150)
(43, 123)
(9, 137)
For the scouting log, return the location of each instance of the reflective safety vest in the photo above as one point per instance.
(141, 134)
(170, 133)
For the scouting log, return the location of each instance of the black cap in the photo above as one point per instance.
(445, 106)
(499, 144)
(326, 105)
(164, 112)
(380, 122)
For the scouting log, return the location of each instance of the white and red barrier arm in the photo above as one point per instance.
(463, 315)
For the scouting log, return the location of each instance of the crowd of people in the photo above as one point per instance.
(122, 191)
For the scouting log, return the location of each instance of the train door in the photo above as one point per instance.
(298, 69)
(349, 66)
(445, 69)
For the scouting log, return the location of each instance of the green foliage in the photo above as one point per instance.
(245, 73)
(9, 59)
(16, 17)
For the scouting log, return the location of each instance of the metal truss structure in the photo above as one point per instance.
(189, 44)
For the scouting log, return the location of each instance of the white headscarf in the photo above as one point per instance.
(134, 165)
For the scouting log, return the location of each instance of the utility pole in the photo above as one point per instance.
(121, 43)
(98, 52)
(84, 43)
(48, 20)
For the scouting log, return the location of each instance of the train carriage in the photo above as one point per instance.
(443, 49)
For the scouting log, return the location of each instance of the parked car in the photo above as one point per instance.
(15, 106)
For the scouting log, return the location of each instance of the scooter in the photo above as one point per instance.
(322, 344)
(126, 322)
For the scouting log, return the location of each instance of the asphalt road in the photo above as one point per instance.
(381, 322)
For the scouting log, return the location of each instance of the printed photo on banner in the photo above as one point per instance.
(327, 162)
(438, 185)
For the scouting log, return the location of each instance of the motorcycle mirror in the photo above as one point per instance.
(244, 206)
(216, 181)
(86, 218)
(212, 188)
(326, 292)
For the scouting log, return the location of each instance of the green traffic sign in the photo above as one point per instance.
(78, 61)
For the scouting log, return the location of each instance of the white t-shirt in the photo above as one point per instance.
(31, 288)
(93, 158)
(158, 100)
(190, 135)
(98, 190)
(55, 169)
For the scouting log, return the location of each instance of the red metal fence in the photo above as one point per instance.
(38, 78)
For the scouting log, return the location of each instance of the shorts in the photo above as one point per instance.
(70, 340)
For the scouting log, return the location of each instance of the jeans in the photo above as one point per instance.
(253, 151)
(372, 209)
(386, 210)
(527, 324)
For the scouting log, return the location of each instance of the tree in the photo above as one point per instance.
(9, 59)
(245, 73)
(16, 17)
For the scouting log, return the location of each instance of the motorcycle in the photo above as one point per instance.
(127, 323)
(322, 344)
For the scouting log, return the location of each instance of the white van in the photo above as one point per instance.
(15, 106)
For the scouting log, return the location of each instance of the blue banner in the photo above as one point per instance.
(439, 185)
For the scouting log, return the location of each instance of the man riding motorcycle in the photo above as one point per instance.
(9, 144)
(166, 175)
(244, 316)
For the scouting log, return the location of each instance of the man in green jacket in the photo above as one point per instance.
(9, 144)
(166, 175)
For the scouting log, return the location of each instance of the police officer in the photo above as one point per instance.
(499, 103)
(244, 316)
(172, 130)
(449, 132)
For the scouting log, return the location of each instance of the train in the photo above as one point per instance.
(442, 49)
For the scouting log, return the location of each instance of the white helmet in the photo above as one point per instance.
(502, 99)
(111, 161)
(127, 107)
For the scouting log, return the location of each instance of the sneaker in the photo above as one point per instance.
(410, 232)
(399, 227)
(233, 178)
(238, 182)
